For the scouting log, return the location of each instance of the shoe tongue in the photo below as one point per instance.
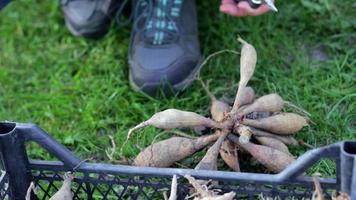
(158, 22)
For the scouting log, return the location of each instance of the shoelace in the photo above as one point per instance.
(156, 19)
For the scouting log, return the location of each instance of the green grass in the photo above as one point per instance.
(78, 90)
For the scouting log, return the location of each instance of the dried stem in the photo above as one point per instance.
(30, 189)
(174, 186)
(206, 88)
(290, 104)
(215, 54)
(302, 143)
(197, 186)
(80, 163)
(318, 193)
(110, 154)
(137, 127)
(165, 197)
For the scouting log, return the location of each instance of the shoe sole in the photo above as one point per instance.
(177, 87)
(92, 33)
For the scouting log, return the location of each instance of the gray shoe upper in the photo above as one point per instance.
(164, 47)
(88, 17)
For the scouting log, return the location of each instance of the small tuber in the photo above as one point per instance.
(288, 140)
(167, 152)
(273, 143)
(209, 161)
(248, 60)
(273, 159)
(267, 103)
(173, 118)
(229, 154)
(283, 123)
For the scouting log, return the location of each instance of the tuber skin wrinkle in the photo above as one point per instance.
(282, 123)
(173, 118)
(248, 60)
(288, 140)
(273, 159)
(273, 143)
(167, 152)
(209, 161)
(229, 154)
(267, 103)
(64, 193)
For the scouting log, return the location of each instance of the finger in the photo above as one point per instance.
(233, 10)
(250, 11)
(228, 2)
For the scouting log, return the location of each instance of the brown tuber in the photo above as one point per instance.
(209, 161)
(268, 103)
(218, 108)
(64, 193)
(248, 96)
(167, 152)
(288, 140)
(229, 154)
(283, 123)
(173, 118)
(273, 159)
(273, 143)
(248, 60)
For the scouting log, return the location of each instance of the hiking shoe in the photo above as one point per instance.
(164, 49)
(88, 18)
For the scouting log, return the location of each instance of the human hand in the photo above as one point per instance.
(241, 9)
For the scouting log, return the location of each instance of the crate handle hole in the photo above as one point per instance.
(350, 148)
(6, 127)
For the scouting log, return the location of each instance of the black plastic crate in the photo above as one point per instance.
(105, 181)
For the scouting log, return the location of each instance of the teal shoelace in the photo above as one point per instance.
(156, 19)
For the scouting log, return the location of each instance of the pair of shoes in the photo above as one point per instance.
(164, 48)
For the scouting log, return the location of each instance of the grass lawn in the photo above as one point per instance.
(78, 90)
